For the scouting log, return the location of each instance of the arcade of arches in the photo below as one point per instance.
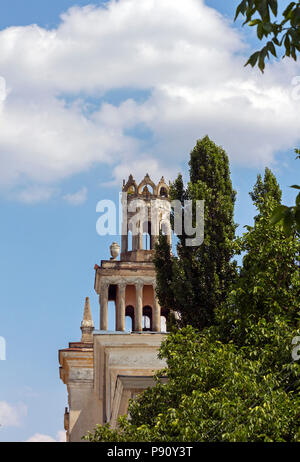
(134, 300)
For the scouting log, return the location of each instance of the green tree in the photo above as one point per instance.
(214, 392)
(199, 279)
(285, 34)
(289, 216)
(268, 285)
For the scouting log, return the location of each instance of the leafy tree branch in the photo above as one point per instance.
(284, 34)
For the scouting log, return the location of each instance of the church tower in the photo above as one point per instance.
(130, 282)
(108, 367)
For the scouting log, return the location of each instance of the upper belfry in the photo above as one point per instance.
(145, 213)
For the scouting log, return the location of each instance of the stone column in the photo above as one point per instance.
(134, 241)
(121, 306)
(139, 237)
(138, 327)
(124, 243)
(154, 240)
(156, 312)
(154, 223)
(104, 306)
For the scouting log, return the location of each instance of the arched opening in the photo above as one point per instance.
(129, 241)
(163, 192)
(147, 244)
(163, 324)
(129, 318)
(112, 315)
(112, 307)
(147, 318)
(146, 241)
(163, 320)
(131, 190)
(147, 190)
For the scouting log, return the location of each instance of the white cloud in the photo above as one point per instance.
(2, 90)
(61, 436)
(34, 194)
(41, 438)
(77, 198)
(12, 415)
(139, 167)
(184, 54)
(44, 141)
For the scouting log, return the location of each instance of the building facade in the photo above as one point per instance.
(107, 368)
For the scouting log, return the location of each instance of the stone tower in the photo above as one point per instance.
(108, 367)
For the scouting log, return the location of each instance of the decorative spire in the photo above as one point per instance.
(87, 325)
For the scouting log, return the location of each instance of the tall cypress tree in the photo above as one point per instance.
(199, 279)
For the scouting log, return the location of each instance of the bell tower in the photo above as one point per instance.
(130, 282)
(146, 211)
(108, 367)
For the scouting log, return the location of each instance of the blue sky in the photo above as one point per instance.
(74, 124)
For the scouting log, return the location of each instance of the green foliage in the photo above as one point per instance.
(270, 273)
(198, 281)
(289, 216)
(269, 283)
(285, 34)
(215, 392)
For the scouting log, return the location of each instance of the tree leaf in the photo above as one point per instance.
(260, 32)
(288, 221)
(253, 59)
(287, 45)
(278, 214)
(274, 6)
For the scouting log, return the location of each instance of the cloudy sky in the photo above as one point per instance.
(88, 94)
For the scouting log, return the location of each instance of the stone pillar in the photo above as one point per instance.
(124, 243)
(139, 236)
(156, 312)
(154, 240)
(104, 306)
(121, 306)
(139, 307)
(154, 223)
(135, 238)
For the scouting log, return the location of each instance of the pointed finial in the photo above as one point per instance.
(87, 315)
(87, 325)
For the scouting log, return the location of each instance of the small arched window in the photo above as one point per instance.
(129, 318)
(129, 240)
(163, 192)
(147, 318)
(131, 190)
(147, 236)
(163, 324)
